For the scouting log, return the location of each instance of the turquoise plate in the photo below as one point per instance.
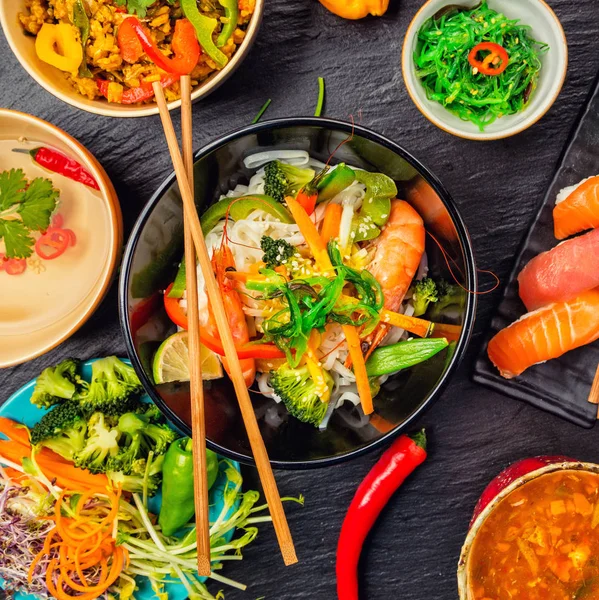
(19, 408)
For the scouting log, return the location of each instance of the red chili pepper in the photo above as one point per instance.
(128, 42)
(392, 469)
(494, 63)
(53, 243)
(251, 350)
(57, 162)
(15, 266)
(184, 44)
(307, 199)
(137, 94)
(509, 475)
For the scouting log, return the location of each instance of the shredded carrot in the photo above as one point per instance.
(450, 332)
(14, 431)
(330, 223)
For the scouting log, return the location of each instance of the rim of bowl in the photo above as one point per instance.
(110, 197)
(566, 465)
(408, 65)
(114, 110)
(329, 124)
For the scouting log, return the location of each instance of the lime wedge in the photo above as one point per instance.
(171, 362)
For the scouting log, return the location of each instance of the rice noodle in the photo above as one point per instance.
(299, 158)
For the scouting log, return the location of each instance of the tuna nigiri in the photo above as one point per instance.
(562, 273)
(545, 334)
(577, 208)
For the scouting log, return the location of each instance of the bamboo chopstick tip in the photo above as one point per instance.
(204, 568)
(289, 555)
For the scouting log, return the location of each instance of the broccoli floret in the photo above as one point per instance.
(113, 388)
(275, 251)
(299, 393)
(281, 179)
(57, 384)
(102, 442)
(423, 293)
(134, 482)
(451, 298)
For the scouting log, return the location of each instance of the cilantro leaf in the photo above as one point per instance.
(12, 186)
(39, 201)
(18, 242)
(136, 6)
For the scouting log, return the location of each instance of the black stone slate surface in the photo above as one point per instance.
(414, 548)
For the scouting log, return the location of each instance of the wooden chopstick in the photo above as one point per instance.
(594, 394)
(198, 422)
(245, 404)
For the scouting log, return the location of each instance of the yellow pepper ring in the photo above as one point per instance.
(356, 9)
(59, 46)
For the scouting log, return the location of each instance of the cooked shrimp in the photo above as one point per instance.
(398, 253)
(222, 261)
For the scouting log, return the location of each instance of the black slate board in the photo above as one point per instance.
(560, 386)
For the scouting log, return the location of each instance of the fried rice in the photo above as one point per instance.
(102, 53)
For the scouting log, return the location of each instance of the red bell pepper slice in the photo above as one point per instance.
(251, 350)
(15, 266)
(137, 94)
(494, 63)
(184, 44)
(128, 42)
(308, 200)
(53, 243)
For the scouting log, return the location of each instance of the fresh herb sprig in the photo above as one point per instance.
(441, 60)
(139, 7)
(25, 207)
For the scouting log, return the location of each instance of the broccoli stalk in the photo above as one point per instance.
(282, 179)
(424, 292)
(143, 475)
(102, 443)
(113, 388)
(300, 393)
(63, 430)
(57, 384)
(452, 298)
(275, 251)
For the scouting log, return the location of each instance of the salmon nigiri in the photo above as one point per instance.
(577, 208)
(545, 334)
(562, 273)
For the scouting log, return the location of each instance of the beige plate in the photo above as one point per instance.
(51, 299)
(54, 81)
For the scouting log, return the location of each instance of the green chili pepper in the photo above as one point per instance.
(205, 28)
(177, 484)
(335, 182)
(231, 14)
(81, 21)
(376, 205)
(397, 357)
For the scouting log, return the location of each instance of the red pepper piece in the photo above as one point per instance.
(494, 63)
(387, 475)
(509, 475)
(15, 266)
(128, 42)
(308, 200)
(250, 350)
(184, 44)
(137, 94)
(53, 243)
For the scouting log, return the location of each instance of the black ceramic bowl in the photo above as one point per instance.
(155, 250)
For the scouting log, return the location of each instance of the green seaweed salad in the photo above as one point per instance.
(444, 63)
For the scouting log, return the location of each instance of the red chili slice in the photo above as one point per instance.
(15, 266)
(57, 221)
(494, 63)
(53, 243)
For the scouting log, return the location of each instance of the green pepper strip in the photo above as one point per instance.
(231, 14)
(335, 182)
(177, 485)
(390, 359)
(205, 28)
(81, 21)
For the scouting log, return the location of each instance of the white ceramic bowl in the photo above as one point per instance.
(53, 80)
(545, 27)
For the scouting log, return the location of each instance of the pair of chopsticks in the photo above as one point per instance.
(195, 245)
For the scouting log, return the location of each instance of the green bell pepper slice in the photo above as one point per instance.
(390, 359)
(205, 28)
(335, 182)
(231, 14)
(239, 208)
(178, 505)
(376, 206)
(81, 21)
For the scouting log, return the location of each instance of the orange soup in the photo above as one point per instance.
(541, 542)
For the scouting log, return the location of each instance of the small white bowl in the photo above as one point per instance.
(53, 80)
(545, 28)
